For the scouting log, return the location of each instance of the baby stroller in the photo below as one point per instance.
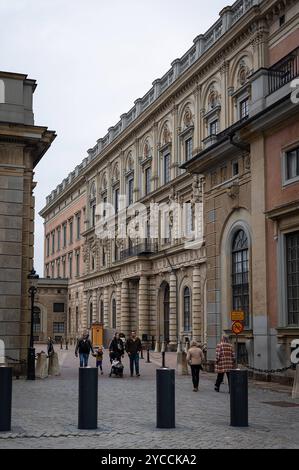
(117, 369)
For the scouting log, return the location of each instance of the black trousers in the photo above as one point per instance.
(220, 378)
(195, 375)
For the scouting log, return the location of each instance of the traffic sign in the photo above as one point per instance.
(237, 315)
(237, 327)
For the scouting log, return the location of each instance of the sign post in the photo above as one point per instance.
(237, 317)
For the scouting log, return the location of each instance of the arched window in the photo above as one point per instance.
(90, 314)
(101, 311)
(187, 309)
(77, 319)
(113, 313)
(166, 313)
(240, 274)
(36, 320)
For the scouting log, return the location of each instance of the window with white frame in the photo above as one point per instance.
(188, 148)
(244, 108)
(130, 189)
(213, 127)
(187, 309)
(291, 165)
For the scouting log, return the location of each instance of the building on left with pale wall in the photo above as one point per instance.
(22, 145)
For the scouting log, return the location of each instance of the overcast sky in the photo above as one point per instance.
(92, 59)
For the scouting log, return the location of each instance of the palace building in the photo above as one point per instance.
(217, 136)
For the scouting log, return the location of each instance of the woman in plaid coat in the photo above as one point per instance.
(225, 358)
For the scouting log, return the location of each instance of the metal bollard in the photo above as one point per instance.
(165, 398)
(147, 356)
(163, 359)
(88, 398)
(5, 398)
(238, 383)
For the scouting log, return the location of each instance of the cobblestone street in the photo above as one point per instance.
(45, 413)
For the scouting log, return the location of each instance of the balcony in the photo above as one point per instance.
(142, 249)
(284, 71)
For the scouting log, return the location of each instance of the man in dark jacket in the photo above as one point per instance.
(133, 347)
(84, 346)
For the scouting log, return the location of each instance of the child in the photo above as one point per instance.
(99, 358)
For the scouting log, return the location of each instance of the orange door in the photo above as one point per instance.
(97, 334)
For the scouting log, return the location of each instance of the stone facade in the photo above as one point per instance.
(197, 117)
(249, 208)
(51, 307)
(22, 145)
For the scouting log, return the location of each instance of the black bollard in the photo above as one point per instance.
(163, 359)
(5, 398)
(148, 356)
(88, 398)
(238, 383)
(165, 398)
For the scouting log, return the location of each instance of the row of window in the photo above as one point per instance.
(63, 267)
(63, 236)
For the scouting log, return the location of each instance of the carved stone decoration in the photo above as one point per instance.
(195, 190)
(146, 150)
(243, 72)
(248, 162)
(85, 252)
(213, 97)
(115, 176)
(166, 135)
(233, 191)
(188, 118)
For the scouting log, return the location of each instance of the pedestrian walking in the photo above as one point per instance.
(116, 348)
(84, 346)
(99, 358)
(225, 358)
(133, 348)
(195, 357)
(50, 346)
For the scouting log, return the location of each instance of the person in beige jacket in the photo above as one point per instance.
(195, 358)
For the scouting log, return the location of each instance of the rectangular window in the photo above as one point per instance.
(64, 235)
(116, 200)
(70, 267)
(78, 264)
(48, 245)
(58, 268)
(188, 149)
(147, 175)
(166, 168)
(213, 127)
(292, 268)
(244, 108)
(53, 242)
(78, 226)
(58, 327)
(71, 232)
(93, 214)
(58, 238)
(116, 252)
(130, 191)
(58, 307)
(292, 164)
(63, 269)
(104, 203)
(47, 270)
(235, 168)
(104, 257)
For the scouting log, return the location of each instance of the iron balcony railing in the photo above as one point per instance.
(145, 248)
(284, 71)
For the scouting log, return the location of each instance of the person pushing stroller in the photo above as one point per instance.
(116, 352)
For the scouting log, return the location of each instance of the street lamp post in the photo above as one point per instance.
(33, 278)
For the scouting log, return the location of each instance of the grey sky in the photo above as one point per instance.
(91, 59)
